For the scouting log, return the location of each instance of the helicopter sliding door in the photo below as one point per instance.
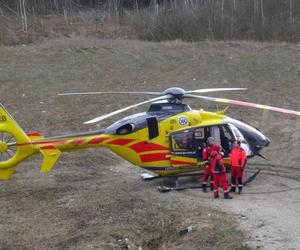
(187, 145)
(183, 151)
(222, 135)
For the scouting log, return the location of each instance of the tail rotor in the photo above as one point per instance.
(11, 137)
(8, 146)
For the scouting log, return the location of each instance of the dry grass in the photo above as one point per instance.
(84, 24)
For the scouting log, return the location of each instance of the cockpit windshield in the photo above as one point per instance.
(248, 135)
(237, 134)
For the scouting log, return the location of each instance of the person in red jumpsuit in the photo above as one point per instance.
(207, 171)
(219, 172)
(238, 159)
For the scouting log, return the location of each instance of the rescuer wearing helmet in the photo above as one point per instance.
(207, 171)
(219, 172)
(238, 159)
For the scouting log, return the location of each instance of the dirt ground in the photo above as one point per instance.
(267, 211)
(95, 200)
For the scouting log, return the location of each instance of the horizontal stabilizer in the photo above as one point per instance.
(51, 155)
(6, 173)
(35, 136)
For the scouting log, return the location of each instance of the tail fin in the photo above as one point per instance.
(11, 136)
(51, 155)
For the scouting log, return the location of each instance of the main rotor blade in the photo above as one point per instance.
(246, 104)
(110, 92)
(100, 118)
(214, 90)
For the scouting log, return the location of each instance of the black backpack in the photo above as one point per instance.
(218, 168)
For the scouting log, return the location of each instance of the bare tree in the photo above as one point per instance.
(291, 13)
(23, 15)
(222, 12)
(1, 11)
(262, 13)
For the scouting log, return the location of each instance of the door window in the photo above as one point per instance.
(183, 141)
(215, 133)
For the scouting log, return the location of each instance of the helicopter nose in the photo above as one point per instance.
(253, 136)
(261, 143)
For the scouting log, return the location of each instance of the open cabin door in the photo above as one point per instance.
(183, 150)
(187, 145)
(222, 135)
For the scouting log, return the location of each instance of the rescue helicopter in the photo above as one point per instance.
(166, 140)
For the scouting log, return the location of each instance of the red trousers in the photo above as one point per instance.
(236, 176)
(207, 173)
(220, 178)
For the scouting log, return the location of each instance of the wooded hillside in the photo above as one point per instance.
(23, 21)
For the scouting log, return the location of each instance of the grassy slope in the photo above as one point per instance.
(81, 207)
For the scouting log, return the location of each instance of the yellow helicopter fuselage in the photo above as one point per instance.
(136, 147)
(165, 142)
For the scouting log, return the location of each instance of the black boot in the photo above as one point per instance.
(233, 184)
(211, 187)
(240, 181)
(227, 196)
(204, 188)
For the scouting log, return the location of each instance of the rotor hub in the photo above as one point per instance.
(3, 147)
(175, 92)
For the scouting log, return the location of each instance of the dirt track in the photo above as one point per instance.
(268, 211)
(95, 200)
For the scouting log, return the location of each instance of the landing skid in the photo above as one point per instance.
(252, 177)
(165, 189)
(178, 187)
(149, 177)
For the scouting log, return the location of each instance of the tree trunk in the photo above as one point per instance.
(23, 15)
(1, 11)
(222, 13)
(262, 13)
(291, 13)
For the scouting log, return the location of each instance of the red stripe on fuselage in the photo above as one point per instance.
(41, 142)
(48, 147)
(153, 157)
(144, 147)
(93, 141)
(98, 140)
(120, 142)
(34, 134)
(77, 142)
(175, 162)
